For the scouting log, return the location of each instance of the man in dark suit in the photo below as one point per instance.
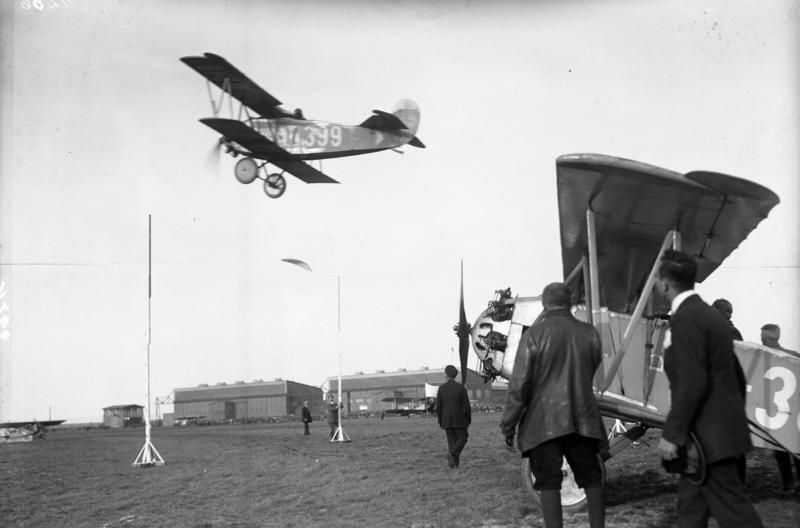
(707, 390)
(306, 418)
(454, 414)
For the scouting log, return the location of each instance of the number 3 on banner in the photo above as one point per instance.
(781, 399)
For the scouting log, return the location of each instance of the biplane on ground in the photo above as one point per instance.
(262, 130)
(13, 432)
(188, 420)
(410, 406)
(617, 217)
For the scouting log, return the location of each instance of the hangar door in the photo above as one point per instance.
(230, 410)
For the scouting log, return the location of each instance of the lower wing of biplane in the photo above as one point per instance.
(13, 432)
(617, 217)
(241, 139)
(264, 131)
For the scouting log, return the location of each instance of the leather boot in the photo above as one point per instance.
(596, 504)
(551, 508)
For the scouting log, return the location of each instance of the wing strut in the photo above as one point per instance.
(594, 269)
(671, 240)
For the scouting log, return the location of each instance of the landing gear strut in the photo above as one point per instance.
(246, 171)
(274, 185)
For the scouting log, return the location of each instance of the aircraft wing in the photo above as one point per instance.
(636, 205)
(44, 423)
(263, 148)
(225, 76)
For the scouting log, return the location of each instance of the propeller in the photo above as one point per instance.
(213, 156)
(462, 331)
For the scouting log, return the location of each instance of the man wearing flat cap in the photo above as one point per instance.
(454, 414)
(550, 397)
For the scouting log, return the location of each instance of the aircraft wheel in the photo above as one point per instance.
(573, 498)
(275, 185)
(246, 170)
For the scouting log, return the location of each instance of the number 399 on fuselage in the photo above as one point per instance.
(287, 139)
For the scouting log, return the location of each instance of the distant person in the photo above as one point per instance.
(333, 414)
(707, 392)
(550, 397)
(454, 415)
(306, 418)
(770, 336)
(725, 307)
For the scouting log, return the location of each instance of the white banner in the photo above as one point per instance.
(430, 390)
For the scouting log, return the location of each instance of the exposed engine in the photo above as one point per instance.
(497, 331)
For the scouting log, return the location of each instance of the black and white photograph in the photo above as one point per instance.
(399, 263)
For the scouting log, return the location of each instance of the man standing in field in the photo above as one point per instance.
(454, 414)
(333, 414)
(306, 418)
(550, 396)
(707, 392)
(770, 336)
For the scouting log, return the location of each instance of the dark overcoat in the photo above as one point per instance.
(550, 390)
(452, 406)
(707, 385)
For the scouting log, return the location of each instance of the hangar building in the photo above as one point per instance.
(123, 415)
(246, 401)
(403, 389)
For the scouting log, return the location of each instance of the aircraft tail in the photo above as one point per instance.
(407, 111)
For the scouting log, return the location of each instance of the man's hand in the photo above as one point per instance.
(510, 442)
(668, 450)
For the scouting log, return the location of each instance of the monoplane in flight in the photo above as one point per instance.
(266, 134)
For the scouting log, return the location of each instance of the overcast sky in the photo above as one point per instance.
(99, 129)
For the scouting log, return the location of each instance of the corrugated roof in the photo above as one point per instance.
(389, 380)
(123, 406)
(235, 390)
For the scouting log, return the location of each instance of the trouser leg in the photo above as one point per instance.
(692, 509)
(741, 467)
(595, 502)
(582, 455)
(551, 508)
(784, 468)
(451, 441)
(461, 436)
(726, 497)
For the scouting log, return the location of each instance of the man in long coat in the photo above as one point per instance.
(454, 414)
(707, 391)
(306, 418)
(550, 396)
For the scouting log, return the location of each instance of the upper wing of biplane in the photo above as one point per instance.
(229, 79)
(263, 148)
(636, 205)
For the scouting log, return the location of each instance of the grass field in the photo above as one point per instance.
(393, 474)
